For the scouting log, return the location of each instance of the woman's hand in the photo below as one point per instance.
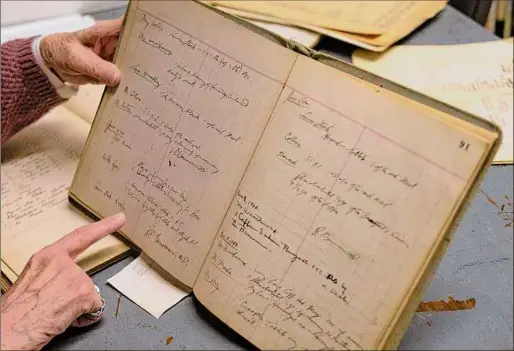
(84, 56)
(53, 292)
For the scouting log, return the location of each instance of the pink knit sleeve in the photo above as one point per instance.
(27, 94)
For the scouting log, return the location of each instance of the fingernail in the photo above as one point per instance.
(115, 79)
(120, 217)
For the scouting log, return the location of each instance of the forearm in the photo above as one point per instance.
(27, 93)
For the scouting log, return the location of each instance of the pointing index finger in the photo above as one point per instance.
(81, 238)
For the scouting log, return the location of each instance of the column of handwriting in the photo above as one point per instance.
(321, 217)
(269, 300)
(36, 175)
(180, 130)
(493, 95)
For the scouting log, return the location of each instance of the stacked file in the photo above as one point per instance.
(371, 25)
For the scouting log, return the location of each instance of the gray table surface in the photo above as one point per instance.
(478, 264)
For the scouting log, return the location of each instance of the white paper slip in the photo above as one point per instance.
(148, 286)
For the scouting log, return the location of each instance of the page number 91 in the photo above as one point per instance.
(463, 145)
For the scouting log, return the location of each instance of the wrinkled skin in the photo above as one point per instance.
(84, 56)
(53, 292)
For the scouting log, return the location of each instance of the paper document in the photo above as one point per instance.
(148, 286)
(396, 18)
(86, 101)
(476, 78)
(37, 168)
(305, 37)
(362, 17)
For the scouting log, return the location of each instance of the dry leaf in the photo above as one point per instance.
(451, 305)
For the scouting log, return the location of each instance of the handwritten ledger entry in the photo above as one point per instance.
(179, 132)
(298, 211)
(37, 167)
(326, 210)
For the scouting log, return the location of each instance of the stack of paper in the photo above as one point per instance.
(477, 78)
(372, 25)
(305, 37)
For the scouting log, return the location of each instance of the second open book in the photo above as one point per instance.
(304, 205)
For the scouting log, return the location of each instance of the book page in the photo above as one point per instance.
(37, 169)
(86, 102)
(360, 17)
(477, 78)
(9, 275)
(170, 145)
(341, 207)
(301, 36)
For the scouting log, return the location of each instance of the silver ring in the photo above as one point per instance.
(100, 311)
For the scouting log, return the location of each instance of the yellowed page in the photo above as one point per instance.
(170, 146)
(37, 169)
(8, 272)
(340, 209)
(473, 77)
(302, 36)
(320, 30)
(86, 102)
(418, 12)
(286, 31)
(360, 17)
(343, 36)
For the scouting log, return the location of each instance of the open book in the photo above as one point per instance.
(37, 169)
(304, 201)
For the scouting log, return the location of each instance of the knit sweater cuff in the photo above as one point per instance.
(27, 93)
(35, 78)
